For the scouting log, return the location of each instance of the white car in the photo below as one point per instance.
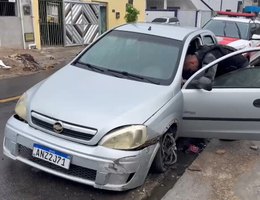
(167, 20)
(238, 30)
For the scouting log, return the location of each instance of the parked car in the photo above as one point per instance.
(167, 20)
(117, 109)
(238, 30)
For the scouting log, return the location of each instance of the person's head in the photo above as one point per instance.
(191, 63)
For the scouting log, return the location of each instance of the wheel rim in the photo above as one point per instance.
(168, 150)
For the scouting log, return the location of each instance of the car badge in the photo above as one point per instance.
(57, 127)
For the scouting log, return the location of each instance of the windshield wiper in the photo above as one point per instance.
(126, 74)
(90, 66)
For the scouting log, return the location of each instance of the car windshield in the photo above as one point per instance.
(135, 56)
(161, 20)
(228, 28)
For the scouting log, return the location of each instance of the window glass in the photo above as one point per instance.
(208, 40)
(256, 29)
(228, 28)
(130, 2)
(161, 20)
(135, 53)
(242, 78)
(174, 19)
(7, 8)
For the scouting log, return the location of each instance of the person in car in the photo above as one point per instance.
(206, 54)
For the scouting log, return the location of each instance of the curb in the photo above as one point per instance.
(6, 100)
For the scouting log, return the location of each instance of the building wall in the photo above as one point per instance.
(159, 4)
(27, 20)
(14, 28)
(223, 4)
(249, 3)
(10, 32)
(114, 6)
(197, 4)
(183, 5)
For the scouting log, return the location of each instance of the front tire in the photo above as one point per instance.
(166, 155)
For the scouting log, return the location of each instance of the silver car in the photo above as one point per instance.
(116, 110)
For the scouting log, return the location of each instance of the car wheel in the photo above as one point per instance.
(166, 155)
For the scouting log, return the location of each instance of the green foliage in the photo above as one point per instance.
(131, 14)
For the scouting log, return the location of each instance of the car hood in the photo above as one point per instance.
(95, 100)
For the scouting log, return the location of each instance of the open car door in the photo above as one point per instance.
(225, 106)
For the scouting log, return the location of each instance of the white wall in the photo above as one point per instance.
(226, 4)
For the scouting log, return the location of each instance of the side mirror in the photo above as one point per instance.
(255, 37)
(202, 83)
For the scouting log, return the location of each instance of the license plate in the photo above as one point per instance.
(51, 156)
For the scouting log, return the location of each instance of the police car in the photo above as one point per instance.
(238, 30)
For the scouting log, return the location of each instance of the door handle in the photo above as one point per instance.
(256, 103)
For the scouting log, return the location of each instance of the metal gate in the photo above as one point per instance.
(81, 23)
(51, 22)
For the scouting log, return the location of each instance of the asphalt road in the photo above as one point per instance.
(21, 182)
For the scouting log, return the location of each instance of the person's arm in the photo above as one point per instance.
(211, 72)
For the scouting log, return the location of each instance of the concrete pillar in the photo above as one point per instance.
(165, 4)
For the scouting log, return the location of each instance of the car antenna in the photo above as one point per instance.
(150, 28)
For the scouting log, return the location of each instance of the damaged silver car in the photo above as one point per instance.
(116, 110)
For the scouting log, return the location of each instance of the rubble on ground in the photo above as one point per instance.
(4, 66)
(254, 147)
(19, 62)
(27, 60)
(221, 151)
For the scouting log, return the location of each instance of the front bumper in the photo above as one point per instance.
(97, 166)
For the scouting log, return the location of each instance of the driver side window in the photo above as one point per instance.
(242, 78)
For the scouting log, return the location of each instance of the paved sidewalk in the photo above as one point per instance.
(224, 171)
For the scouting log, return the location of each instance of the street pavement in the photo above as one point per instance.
(224, 170)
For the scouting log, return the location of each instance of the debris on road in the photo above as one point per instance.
(28, 61)
(220, 151)
(254, 147)
(3, 66)
(191, 145)
(195, 167)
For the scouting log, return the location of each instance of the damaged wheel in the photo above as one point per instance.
(166, 155)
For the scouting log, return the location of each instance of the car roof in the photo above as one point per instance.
(163, 30)
(236, 19)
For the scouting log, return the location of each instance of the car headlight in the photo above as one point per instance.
(21, 107)
(126, 138)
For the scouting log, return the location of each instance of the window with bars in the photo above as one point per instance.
(7, 8)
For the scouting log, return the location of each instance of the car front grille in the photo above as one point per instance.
(47, 125)
(74, 170)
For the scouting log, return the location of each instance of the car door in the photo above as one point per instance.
(226, 107)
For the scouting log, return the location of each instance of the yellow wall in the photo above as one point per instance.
(120, 6)
(36, 24)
